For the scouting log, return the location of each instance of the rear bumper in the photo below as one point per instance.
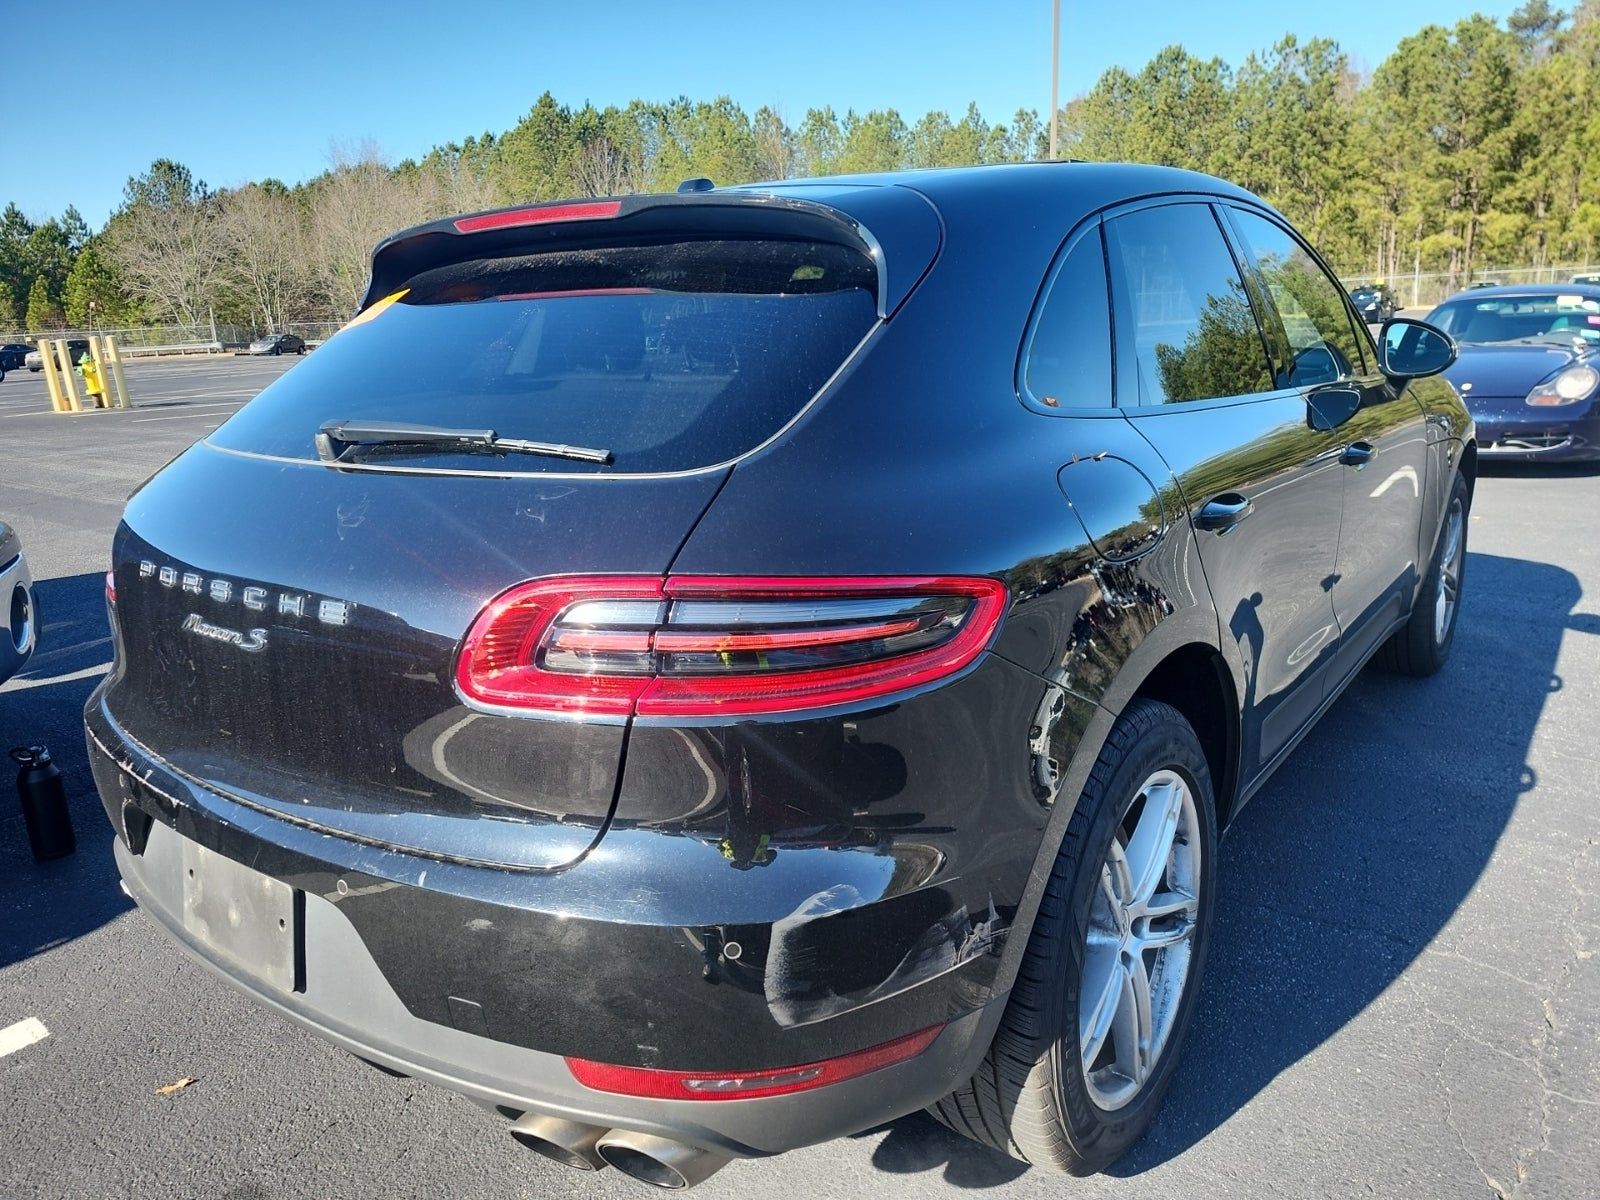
(19, 610)
(348, 1002)
(384, 977)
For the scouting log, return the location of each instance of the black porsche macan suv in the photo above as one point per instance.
(703, 674)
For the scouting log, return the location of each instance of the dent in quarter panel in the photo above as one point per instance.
(910, 827)
(1082, 615)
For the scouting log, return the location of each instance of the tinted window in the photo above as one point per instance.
(1322, 346)
(670, 356)
(1069, 358)
(1182, 313)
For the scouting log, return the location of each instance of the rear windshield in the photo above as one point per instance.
(669, 356)
(1547, 318)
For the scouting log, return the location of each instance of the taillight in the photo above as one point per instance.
(111, 589)
(705, 646)
(587, 210)
(726, 1085)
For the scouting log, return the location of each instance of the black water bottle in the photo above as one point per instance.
(44, 804)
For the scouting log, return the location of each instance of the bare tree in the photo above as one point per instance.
(169, 250)
(452, 182)
(264, 236)
(601, 168)
(775, 155)
(354, 207)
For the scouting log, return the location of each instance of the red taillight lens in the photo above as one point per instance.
(698, 646)
(722, 1085)
(589, 210)
(111, 588)
(502, 659)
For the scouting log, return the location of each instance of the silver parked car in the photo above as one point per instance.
(19, 610)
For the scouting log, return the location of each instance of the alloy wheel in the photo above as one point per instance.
(1448, 593)
(1141, 939)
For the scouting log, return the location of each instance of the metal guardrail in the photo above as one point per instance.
(175, 348)
(137, 341)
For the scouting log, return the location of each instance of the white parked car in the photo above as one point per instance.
(19, 611)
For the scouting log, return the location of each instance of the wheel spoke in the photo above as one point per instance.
(1166, 904)
(1115, 878)
(1102, 993)
(1133, 1023)
(1452, 546)
(1150, 847)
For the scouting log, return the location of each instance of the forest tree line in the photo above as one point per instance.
(1467, 148)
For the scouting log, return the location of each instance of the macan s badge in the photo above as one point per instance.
(298, 605)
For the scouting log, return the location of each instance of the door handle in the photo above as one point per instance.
(1222, 513)
(1358, 454)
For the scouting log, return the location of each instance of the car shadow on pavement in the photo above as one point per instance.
(1351, 860)
(45, 904)
(1346, 865)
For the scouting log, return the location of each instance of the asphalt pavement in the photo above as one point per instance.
(1403, 998)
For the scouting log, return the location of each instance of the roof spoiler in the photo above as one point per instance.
(910, 231)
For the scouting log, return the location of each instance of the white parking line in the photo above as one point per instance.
(194, 411)
(22, 683)
(23, 1033)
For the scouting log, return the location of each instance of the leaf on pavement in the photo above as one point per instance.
(176, 1086)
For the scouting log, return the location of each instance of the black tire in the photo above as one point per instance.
(1418, 648)
(1028, 1098)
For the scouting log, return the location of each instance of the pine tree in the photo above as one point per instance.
(43, 312)
(92, 295)
(9, 321)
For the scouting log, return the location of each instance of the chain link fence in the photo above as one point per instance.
(154, 339)
(314, 332)
(1424, 289)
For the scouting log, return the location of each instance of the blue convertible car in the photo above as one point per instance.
(1529, 367)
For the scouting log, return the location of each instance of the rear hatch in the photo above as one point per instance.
(289, 608)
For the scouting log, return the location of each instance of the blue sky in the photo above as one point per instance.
(242, 91)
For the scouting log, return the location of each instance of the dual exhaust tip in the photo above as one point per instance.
(658, 1161)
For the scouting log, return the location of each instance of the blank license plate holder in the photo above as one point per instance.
(243, 917)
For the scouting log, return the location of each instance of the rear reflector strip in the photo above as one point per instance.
(713, 1085)
(707, 646)
(588, 211)
(717, 643)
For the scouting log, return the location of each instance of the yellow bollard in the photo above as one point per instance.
(114, 359)
(68, 384)
(95, 382)
(47, 363)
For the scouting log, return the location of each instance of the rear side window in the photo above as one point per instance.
(1184, 321)
(1322, 346)
(1069, 353)
(670, 356)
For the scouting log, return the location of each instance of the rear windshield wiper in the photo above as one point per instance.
(337, 438)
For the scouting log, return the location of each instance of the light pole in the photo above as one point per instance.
(1055, 72)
